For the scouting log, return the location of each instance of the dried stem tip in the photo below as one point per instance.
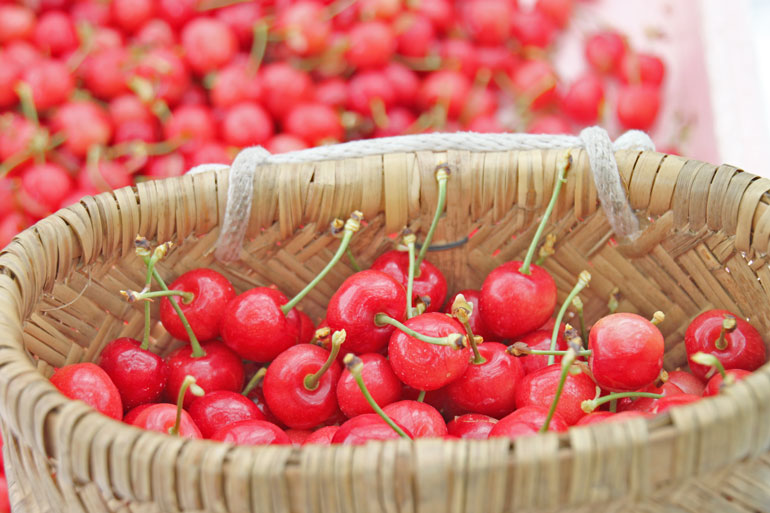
(353, 363)
(658, 317)
(518, 349)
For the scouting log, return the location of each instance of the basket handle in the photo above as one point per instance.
(595, 140)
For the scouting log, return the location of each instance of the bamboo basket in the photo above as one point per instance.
(706, 234)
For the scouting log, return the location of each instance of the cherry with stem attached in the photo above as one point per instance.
(453, 340)
(583, 279)
(170, 419)
(462, 311)
(566, 362)
(591, 404)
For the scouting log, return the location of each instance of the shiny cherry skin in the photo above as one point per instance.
(217, 409)
(298, 436)
(539, 389)
(252, 432)
(306, 327)
(427, 366)
(428, 282)
(745, 348)
(254, 326)
(488, 387)
(285, 391)
(648, 404)
(478, 326)
(512, 303)
(363, 428)
(353, 307)
(688, 383)
(380, 380)
(527, 420)
(606, 416)
(211, 292)
(258, 398)
(139, 374)
(132, 414)
(472, 426)
(321, 436)
(716, 383)
(89, 383)
(422, 420)
(161, 417)
(627, 352)
(667, 403)
(540, 340)
(220, 369)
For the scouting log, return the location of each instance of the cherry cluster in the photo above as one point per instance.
(392, 358)
(98, 95)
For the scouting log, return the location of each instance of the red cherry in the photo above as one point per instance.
(380, 380)
(16, 22)
(535, 82)
(488, 22)
(55, 33)
(540, 340)
(559, 11)
(363, 428)
(404, 81)
(473, 426)
(533, 28)
(84, 124)
(400, 121)
(315, 123)
(539, 388)
(288, 396)
(212, 292)
(305, 27)
(131, 415)
(89, 383)
(605, 50)
(191, 125)
(10, 73)
(284, 87)
(209, 153)
(156, 32)
(445, 87)
(525, 421)
(44, 187)
(209, 44)
(353, 307)
(648, 404)
(166, 72)
(642, 68)
(549, 124)
(627, 352)
(428, 281)
(15, 136)
(139, 374)
(332, 92)
(459, 55)
(162, 417)
(50, 82)
(716, 383)
(220, 369)
(367, 88)
(513, 303)
(10, 226)
(638, 106)
(177, 12)
(606, 416)
(252, 432)
(666, 403)
(321, 436)
(427, 366)
(132, 14)
(217, 409)
(241, 17)
(235, 84)
(743, 349)
(688, 383)
(246, 124)
(298, 436)
(282, 143)
(306, 327)
(584, 99)
(420, 419)
(5, 503)
(415, 35)
(371, 45)
(105, 73)
(488, 388)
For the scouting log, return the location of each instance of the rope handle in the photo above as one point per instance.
(595, 140)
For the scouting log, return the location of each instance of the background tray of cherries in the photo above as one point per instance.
(393, 358)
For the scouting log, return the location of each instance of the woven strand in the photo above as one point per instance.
(595, 140)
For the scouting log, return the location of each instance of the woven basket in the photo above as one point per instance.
(706, 231)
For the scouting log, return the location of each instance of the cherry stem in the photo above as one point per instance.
(710, 360)
(442, 176)
(578, 304)
(142, 246)
(583, 280)
(658, 317)
(563, 165)
(258, 45)
(462, 311)
(515, 350)
(728, 325)
(24, 91)
(255, 381)
(352, 225)
(355, 365)
(590, 405)
(379, 114)
(614, 406)
(613, 302)
(353, 262)
(409, 240)
(189, 382)
(453, 340)
(312, 380)
(566, 362)
(546, 249)
(421, 396)
(134, 296)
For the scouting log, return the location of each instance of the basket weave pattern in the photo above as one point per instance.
(706, 230)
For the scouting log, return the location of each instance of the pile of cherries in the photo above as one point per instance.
(97, 95)
(392, 358)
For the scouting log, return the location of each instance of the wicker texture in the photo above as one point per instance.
(706, 231)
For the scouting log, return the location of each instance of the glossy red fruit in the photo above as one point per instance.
(744, 350)
(129, 15)
(488, 22)
(368, 88)
(604, 51)
(16, 22)
(716, 383)
(526, 421)
(254, 326)
(43, 188)
(539, 389)
(627, 352)
(105, 72)
(535, 83)
(667, 403)
(132, 414)
(421, 419)
(220, 369)
(5, 503)
(513, 303)
(10, 73)
(190, 125)
(212, 292)
(321, 436)
(284, 87)
(217, 409)
(445, 87)
(305, 27)
(648, 404)
(84, 124)
(298, 436)
(286, 394)
(353, 307)
(688, 383)
(50, 81)
(252, 432)
(55, 33)
(533, 28)
(246, 124)
(415, 35)
(584, 99)
(488, 388)
(140, 375)
(540, 340)
(473, 426)
(209, 44)
(165, 72)
(282, 143)
(559, 11)
(162, 417)
(371, 45)
(427, 366)
(380, 380)
(234, 84)
(605, 416)
(315, 123)
(428, 282)
(363, 428)
(89, 383)
(638, 106)
(306, 327)
(642, 68)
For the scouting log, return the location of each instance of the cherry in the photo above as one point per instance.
(156, 33)
(648, 400)
(428, 282)
(446, 88)
(50, 83)
(370, 93)
(209, 153)
(131, 415)
(321, 436)
(84, 124)
(16, 22)
(638, 106)
(332, 92)
(540, 388)
(525, 421)
(284, 87)
(177, 12)
(667, 403)
(534, 82)
(139, 374)
(282, 143)
(559, 11)
(606, 416)
(584, 99)
(371, 45)
(305, 27)
(415, 35)
(315, 123)
(234, 84)
(105, 73)
(688, 383)
(459, 55)
(738, 347)
(718, 381)
(170, 419)
(642, 68)
(132, 14)
(380, 379)
(474, 426)
(252, 432)
(44, 187)
(533, 28)
(55, 33)
(399, 122)
(217, 409)
(488, 22)
(540, 340)
(246, 124)
(190, 124)
(420, 419)
(89, 383)
(306, 328)
(165, 73)
(363, 428)
(10, 72)
(219, 369)
(604, 51)
(209, 44)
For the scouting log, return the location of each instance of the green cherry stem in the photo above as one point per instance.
(562, 166)
(728, 325)
(24, 92)
(189, 382)
(453, 340)
(613, 302)
(352, 259)
(311, 380)
(421, 396)
(462, 311)
(566, 362)
(583, 280)
(710, 360)
(133, 296)
(255, 381)
(442, 176)
(410, 239)
(590, 405)
(355, 365)
(578, 304)
(352, 225)
(546, 249)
